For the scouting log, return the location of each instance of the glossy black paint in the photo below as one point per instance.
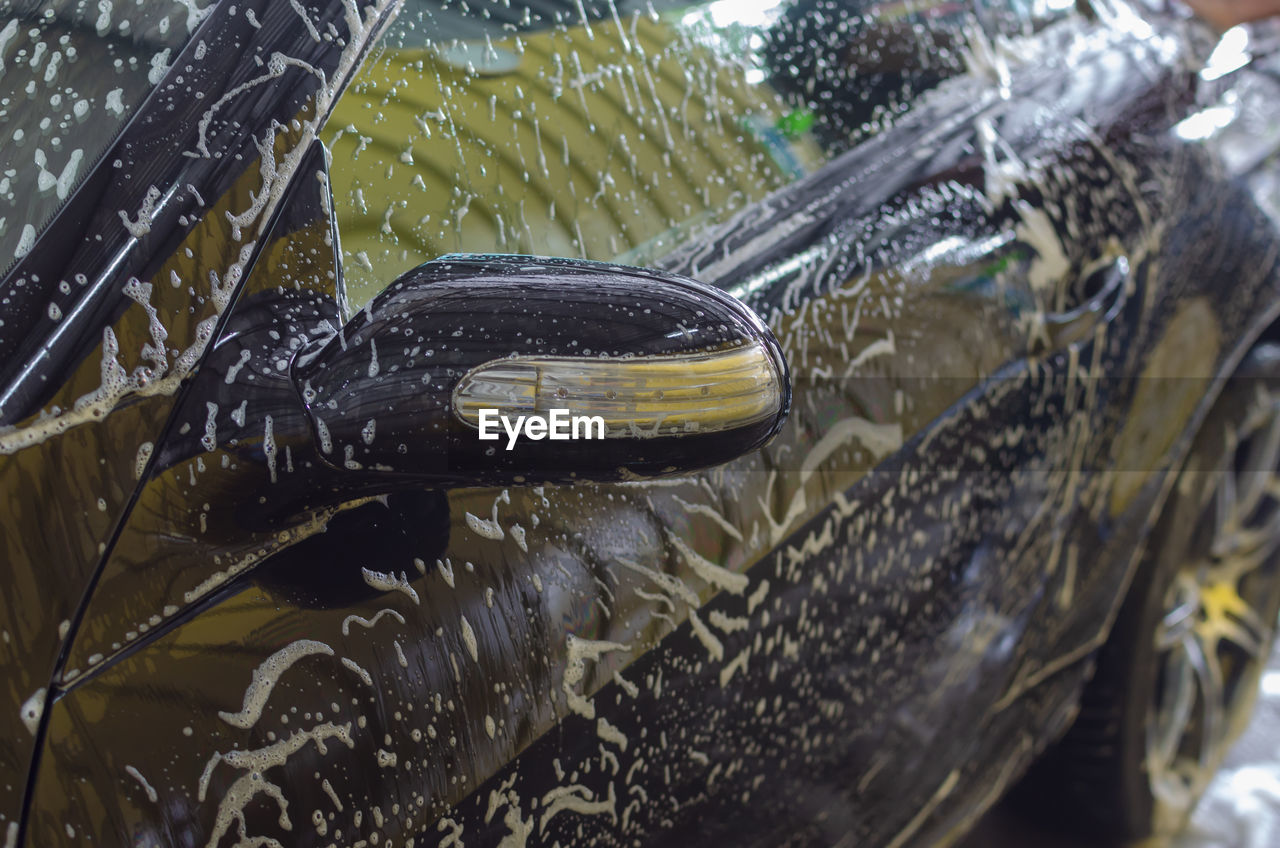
(150, 152)
(62, 375)
(398, 361)
(929, 551)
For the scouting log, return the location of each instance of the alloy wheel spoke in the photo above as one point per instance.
(1209, 677)
(1248, 551)
(1240, 636)
(1225, 511)
(1260, 465)
(1177, 623)
(1171, 722)
(1251, 487)
(1244, 626)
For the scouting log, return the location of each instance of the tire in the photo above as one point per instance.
(1178, 677)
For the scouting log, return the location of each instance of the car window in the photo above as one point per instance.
(616, 130)
(71, 74)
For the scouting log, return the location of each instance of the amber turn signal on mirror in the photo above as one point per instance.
(443, 373)
(633, 397)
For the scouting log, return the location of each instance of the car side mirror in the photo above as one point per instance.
(497, 369)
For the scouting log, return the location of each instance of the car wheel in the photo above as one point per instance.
(1177, 680)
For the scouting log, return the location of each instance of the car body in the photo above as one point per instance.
(1008, 287)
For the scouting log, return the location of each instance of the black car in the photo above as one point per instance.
(903, 405)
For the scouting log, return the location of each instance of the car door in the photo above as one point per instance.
(861, 632)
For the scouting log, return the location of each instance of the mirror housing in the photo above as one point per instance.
(654, 374)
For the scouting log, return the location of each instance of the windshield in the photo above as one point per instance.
(71, 74)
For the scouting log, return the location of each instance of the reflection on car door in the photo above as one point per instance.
(854, 634)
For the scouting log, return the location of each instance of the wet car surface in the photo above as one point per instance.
(1008, 282)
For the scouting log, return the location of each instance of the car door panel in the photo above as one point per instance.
(859, 633)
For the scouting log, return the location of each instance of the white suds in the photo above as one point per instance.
(389, 582)
(265, 677)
